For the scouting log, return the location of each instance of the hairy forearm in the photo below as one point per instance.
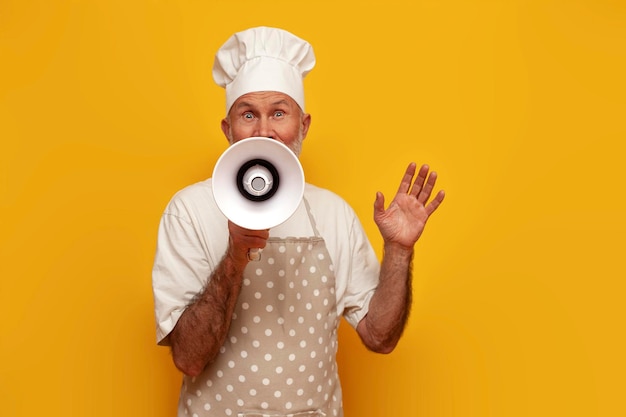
(389, 308)
(202, 328)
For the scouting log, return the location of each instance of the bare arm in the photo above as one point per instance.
(401, 225)
(203, 326)
(381, 328)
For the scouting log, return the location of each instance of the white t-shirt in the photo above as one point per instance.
(193, 236)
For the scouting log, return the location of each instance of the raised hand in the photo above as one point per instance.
(404, 220)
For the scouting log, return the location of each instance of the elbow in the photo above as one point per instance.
(187, 359)
(377, 341)
(189, 364)
(383, 345)
(384, 348)
(187, 367)
(192, 372)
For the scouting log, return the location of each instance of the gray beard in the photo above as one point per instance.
(296, 145)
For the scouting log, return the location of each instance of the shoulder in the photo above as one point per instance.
(201, 189)
(325, 200)
(329, 209)
(194, 198)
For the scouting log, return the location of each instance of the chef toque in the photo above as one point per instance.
(263, 59)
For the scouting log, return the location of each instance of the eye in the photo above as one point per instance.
(248, 116)
(279, 113)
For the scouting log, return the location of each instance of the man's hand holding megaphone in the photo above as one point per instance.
(244, 244)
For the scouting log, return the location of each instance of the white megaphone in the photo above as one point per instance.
(258, 183)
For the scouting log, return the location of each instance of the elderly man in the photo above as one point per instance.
(260, 338)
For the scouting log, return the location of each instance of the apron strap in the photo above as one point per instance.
(311, 219)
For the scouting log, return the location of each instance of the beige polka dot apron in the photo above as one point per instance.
(279, 356)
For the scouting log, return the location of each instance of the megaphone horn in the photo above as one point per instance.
(258, 183)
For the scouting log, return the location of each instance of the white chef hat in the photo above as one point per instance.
(263, 59)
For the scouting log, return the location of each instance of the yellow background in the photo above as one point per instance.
(108, 107)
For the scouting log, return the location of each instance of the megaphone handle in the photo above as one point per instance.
(254, 254)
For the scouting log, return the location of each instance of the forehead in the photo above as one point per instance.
(264, 99)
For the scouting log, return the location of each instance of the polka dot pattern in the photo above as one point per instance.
(279, 357)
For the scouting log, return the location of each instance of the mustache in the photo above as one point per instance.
(295, 145)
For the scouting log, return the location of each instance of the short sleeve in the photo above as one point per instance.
(184, 259)
(362, 276)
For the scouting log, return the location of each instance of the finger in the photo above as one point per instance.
(379, 204)
(257, 243)
(405, 184)
(432, 206)
(256, 239)
(424, 195)
(419, 181)
(242, 236)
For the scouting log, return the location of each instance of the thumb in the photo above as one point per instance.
(379, 203)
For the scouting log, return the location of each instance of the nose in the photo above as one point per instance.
(265, 128)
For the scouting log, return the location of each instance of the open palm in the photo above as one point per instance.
(404, 220)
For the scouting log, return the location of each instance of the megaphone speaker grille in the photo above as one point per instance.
(258, 183)
(258, 180)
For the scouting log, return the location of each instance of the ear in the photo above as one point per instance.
(306, 122)
(226, 128)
